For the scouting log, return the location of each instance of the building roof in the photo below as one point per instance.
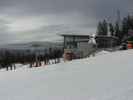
(89, 35)
(76, 35)
(106, 36)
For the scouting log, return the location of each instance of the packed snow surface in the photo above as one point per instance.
(102, 52)
(103, 77)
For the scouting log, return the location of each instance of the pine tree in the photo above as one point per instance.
(130, 21)
(102, 28)
(105, 28)
(99, 29)
(118, 33)
(125, 26)
(117, 30)
(111, 29)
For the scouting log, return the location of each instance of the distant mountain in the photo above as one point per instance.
(34, 44)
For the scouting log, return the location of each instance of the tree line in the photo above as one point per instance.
(119, 29)
(8, 58)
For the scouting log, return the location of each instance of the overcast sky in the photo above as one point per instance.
(41, 20)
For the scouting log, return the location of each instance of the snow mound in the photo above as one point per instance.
(102, 52)
(105, 77)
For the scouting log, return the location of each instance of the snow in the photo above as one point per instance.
(103, 52)
(103, 77)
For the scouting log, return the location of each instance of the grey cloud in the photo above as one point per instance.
(5, 36)
(52, 32)
(75, 16)
(98, 7)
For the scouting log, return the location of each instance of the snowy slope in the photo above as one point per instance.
(104, 77)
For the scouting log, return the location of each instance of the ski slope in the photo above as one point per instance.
(107, 76)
